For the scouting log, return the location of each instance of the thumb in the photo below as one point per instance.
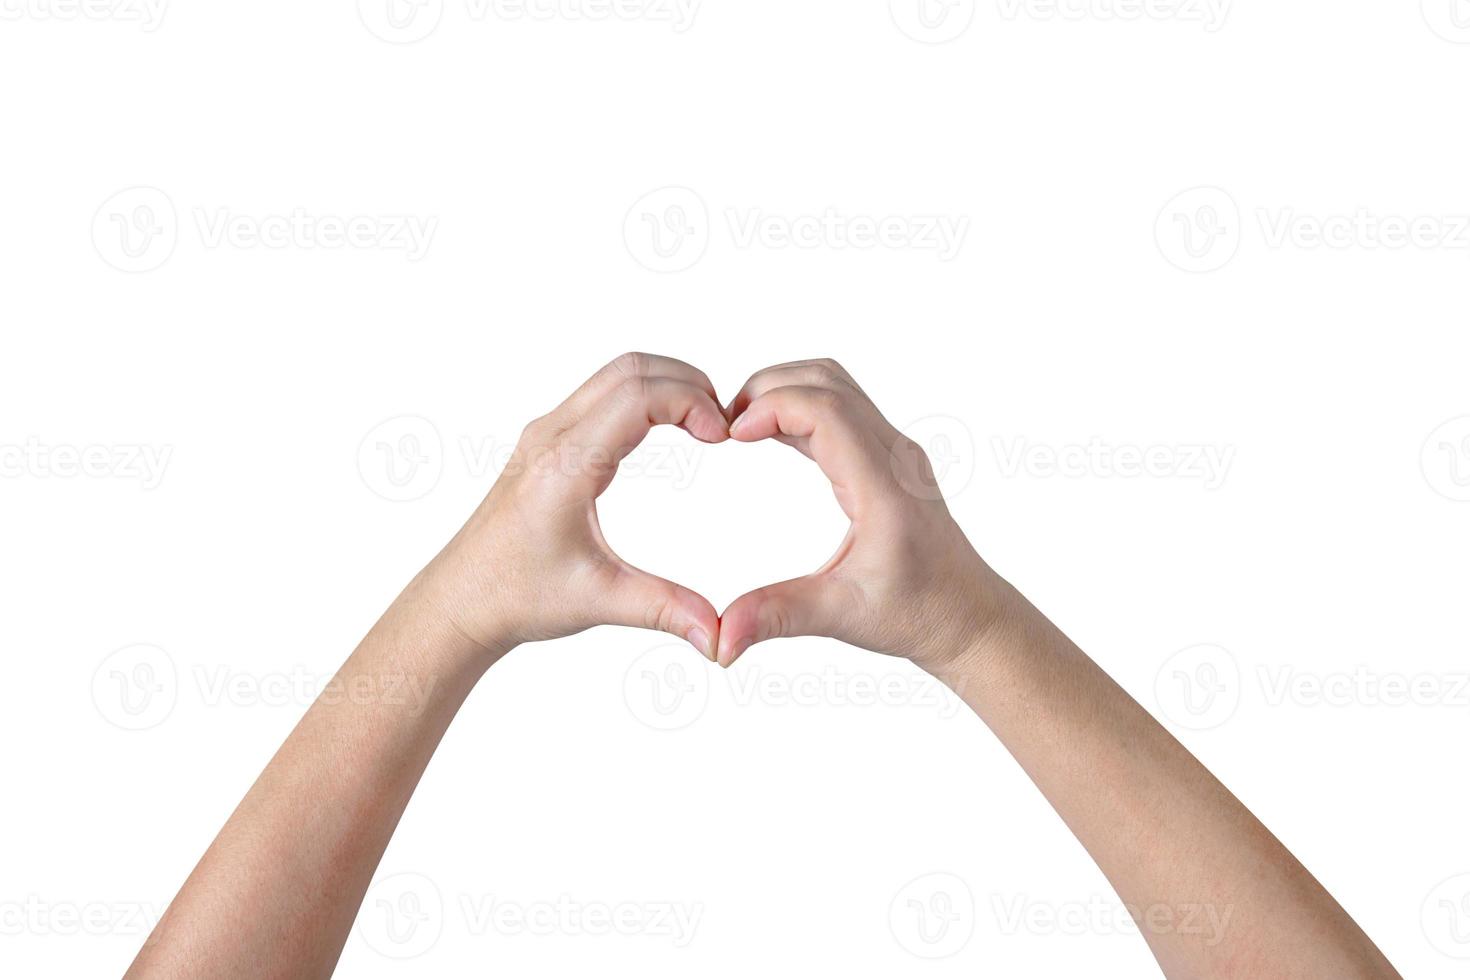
(646, 601)
(797, 607)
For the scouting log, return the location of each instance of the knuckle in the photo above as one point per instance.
(658, 614)
(832, 366)
(756, 384)
(633, 388)
(630, 364)
(822, 376)
(776, 621)
(535, 431)
(909, 449)
(913, 469)
(824, 399)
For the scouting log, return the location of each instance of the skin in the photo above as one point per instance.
(278, 890)
(906, 582)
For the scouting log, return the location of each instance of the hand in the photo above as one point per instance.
(905, 580)
(531, 563)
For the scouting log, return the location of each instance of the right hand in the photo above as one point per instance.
(905, 580)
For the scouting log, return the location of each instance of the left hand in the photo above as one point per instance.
(531, 563)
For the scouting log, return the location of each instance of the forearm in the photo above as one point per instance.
(277, 892)
(905, 581)
(1172, 840)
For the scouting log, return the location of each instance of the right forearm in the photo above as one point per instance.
(1216, 893)
(905, 581)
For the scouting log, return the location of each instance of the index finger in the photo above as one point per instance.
(842, 440)
(822, 372)
(621, 369)
(616, 425)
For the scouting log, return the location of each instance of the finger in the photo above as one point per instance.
(619, 370)
(646, 601)
(848, 445)
(819, 373)
(805, 606)
(617, 424)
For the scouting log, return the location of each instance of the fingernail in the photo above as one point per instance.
(738, 420)
(699, 639)
(736, 650)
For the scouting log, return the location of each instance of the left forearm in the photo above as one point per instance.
(277, 891)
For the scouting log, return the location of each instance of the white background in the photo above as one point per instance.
(290, 393)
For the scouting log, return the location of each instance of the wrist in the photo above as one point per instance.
(985, 619)
(434, 606)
